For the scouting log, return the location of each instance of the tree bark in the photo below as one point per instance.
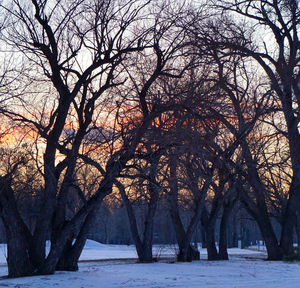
(188, 253)
(69, 259)
(212, 253)
(209, 226)
(273, 249)
(18, 261)
(132, 220)
(223, 254)
(209, 220)
(148, 229)
(18, 237)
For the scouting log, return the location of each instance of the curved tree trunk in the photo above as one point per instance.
(262, 219)
(70, 256)
(273, 249)
(144, 246)
(132, 220)
(258, 208)
(186, 252)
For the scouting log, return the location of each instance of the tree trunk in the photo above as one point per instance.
(209, 221)
(17, 234)
(64, 264)
(188, 253)
(209, 229)
(288, 223)
(297, 227)
(259, 209)
(18, 260)
(273, 249)
(233, 239)
(43, 226)
(147, 256)
(223, 254)
(148, 229)
(69, 227)
(262, 219)
(286, 241)
(61, 245)
(227, 208)
(203, 237)
(183, 245)
(132, 220)
(212, 253)
(44, 221)
(143, 247)
(204, 220)
(70, 256)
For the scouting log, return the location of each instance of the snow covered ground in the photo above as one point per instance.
(245, 269)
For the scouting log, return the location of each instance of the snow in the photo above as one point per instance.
(115, 266)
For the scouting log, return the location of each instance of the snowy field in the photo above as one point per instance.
(245, 269)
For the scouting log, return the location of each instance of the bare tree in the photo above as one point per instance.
(77, 49)
(267, 32)
(249, 104)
